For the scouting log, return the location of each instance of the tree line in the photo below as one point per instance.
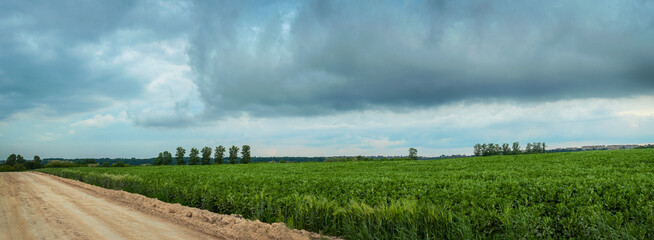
(166, 158)
(504, 149)
(16, 162)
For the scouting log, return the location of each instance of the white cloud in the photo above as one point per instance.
(101, 121)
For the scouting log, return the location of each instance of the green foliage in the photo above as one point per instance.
(219, 155)
(14, 168)
(413, 153)
(361, 158)
(194, 159)
(11, 160)
(206, 155)
(87, 162)
(167, 158)
(106, 164)
(159, 160)
(515, 149)
(577, 195)
(338, 159)
(61, 164)
(233, 154)
(245, 154)
(491, 149)
(180, 156)
(120, 164)
(20, 159)
(477, 149)
(18, 163)
(506, 150)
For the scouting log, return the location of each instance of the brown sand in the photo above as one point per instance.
(42, 206)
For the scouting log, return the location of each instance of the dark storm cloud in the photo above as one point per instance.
(46, 58)
(321, 57)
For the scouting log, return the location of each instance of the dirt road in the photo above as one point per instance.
(39, 206)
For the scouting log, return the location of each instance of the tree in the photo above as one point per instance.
(167, 158)
(536, 147)
(20, 159)
(219, 155)
(193, 157)
(11, 160)
(206, 155)
(505, 149)
(87, 161)
(477, 148)
(516, 148)
(159, 160)
(233, 154)
(529, 148)
(37, 161)
(413, 153)
(245, 154)
(543, 147)
(180, 156)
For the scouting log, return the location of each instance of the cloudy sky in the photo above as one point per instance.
(322, 78)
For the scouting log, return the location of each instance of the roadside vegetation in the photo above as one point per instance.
(581, 195)
(16, 162)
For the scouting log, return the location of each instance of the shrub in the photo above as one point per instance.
(61, 164)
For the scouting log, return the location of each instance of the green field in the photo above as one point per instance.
(599, 194)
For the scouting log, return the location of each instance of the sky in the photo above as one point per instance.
(99, 79)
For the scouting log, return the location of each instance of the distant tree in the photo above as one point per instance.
(20, 159)
(167, 158)
(413, 153)
(87, 161)
(233, 154)
(516, 148)
(245, 154)
(542, 147)
(490, 149)
(194, 159)
(506, 150)
(11, 160)
(477, 150)
(219, 155)
(158, 160)
(537, 146)
(206, 155)
(529, 148)
(106, 164)
(118, 164)
(37, 161)
(180, 156)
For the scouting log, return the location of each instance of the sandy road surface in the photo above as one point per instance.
(39, 206)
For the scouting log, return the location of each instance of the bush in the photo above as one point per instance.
(61, 164)
(6, 168)
(118, 164)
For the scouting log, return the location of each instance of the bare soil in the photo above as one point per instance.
(42, 206)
